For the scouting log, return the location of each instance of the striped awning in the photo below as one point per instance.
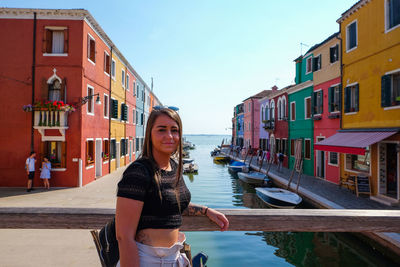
(352, 142)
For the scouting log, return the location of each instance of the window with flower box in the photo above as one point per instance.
(89, 152)
(106, 150)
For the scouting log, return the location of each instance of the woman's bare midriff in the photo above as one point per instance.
(158, 237)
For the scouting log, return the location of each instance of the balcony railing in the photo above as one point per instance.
(51, 119)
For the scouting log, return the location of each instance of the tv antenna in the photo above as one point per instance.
(301, 47)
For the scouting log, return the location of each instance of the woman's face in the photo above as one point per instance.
(165, 135)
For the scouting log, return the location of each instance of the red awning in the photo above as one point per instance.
(352, 142)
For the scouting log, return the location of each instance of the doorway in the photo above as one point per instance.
(389, 170)
(98, 158)
(320, 161)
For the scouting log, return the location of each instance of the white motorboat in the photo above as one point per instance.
(278, 197)
(252, 177)
(187, 160)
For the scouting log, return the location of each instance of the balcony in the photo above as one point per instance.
(51, 124)
(269, 124)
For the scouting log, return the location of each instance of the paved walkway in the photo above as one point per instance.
(25, 247)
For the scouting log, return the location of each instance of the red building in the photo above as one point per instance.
(56, 55)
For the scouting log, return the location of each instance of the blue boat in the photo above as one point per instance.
(237, 166)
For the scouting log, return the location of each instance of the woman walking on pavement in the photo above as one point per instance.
(151, 201)
(45, 173)
(30, 170)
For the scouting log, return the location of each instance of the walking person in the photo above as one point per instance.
(30, 170)
(152, 197)
(281, 157)
(45, 173)
(268, 157)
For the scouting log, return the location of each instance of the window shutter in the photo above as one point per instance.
(88, 46)
(66, 41)
(313, 103)
(337, 52)
(385, 90)
(347, 99)
(321, 102)
(331, 53)
(63, 90)
(314, 64)
(330, 97)
(125, 112)
(44, 42)
(340, 98)
(63, 155)
(357, 107)
(115, 109)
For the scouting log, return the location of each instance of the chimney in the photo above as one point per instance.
(274, 88)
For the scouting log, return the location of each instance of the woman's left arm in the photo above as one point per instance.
(215, 216)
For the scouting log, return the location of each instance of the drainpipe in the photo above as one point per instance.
(33, 78)
(252, 124)
(109, 115)
(126, 85)
(341, 76)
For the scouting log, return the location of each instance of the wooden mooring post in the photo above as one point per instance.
(272, 220)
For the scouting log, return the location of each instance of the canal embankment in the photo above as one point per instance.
(325, 195)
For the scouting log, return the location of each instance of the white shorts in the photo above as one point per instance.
(161, 256)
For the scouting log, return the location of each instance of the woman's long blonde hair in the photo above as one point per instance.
(147, 151)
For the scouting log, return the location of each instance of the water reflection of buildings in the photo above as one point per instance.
(323, 249)
(245, 194)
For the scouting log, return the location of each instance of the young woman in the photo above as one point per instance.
(45, 173)
(150, 202)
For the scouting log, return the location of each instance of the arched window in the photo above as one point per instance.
(272, 108)
(55, 90)
(266, 115)
(283, 107)
(262, 113)
(278, 106)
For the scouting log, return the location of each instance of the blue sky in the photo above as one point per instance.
(208, 56)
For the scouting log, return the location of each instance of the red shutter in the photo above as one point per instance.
(66, 41)
(47, 39)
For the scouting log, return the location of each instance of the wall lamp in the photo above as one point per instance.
(85, 99)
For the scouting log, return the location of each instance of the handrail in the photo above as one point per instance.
(272, 220)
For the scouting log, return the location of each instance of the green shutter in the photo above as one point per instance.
(357, 107)
(347, 94)
(385, 90)
(340, 98)
(115, 109)
(125, 112)
(330, 90)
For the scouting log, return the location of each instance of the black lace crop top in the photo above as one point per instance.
(137, 183)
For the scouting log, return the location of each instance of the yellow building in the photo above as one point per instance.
(370, 32)
(118, 113)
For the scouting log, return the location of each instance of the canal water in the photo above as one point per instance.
(215, 187)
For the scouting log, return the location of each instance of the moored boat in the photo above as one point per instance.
(190, 168)
(278, 197)
(187, 160)
(237, 166)
(252, 177)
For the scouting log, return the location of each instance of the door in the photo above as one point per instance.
(98, 158)
(118, 155)
(392, 181)
(320, 161)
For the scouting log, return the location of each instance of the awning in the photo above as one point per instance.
(352, 142)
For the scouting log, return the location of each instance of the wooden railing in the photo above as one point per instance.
(272, 220)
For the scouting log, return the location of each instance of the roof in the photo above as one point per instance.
(352, 9)
(323, 42)
(261, 94)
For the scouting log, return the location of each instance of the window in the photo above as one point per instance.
(55, 151)
(249, 106)
(351, 98)
(113, 148)
(307, 104)
(106, 150)
(358, 162)
(318, 102)
(124, 112)
(308, 65)
(106, 107)
(134, 88)
(262, 114)
(55, 40)
(89, 152)
(283, 108)
(334, 53)
(307, 149)
(333, 158)
(133, 116)
(351, 36)
(293, 111)
(126, 146)
(137, 144)
(91, 51)
(292, 147)
(123, 78)
(316, 63)
(392, 13)
(122, 144)
(55, 91)
(390, 95)
(127, 82)
(334, 97)
(113, 68)
(272, 116)
(90, 103)
(106, 63)
(136, 117)
(279, 109)
(137, 93)
(114, 109)
(134, 145)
